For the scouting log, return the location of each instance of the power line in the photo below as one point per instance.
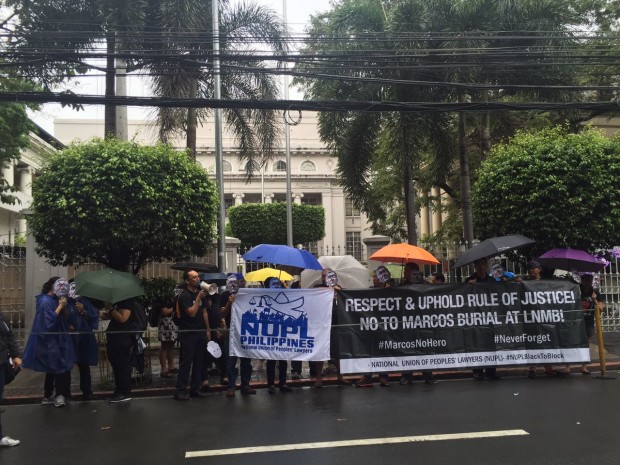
(303, 105)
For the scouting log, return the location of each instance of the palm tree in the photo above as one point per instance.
(359, 30)
(445, 45)
(189, 74)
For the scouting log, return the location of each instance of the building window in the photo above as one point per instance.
(226, 166)
(354, 244)
(349, 208)
(279, 166)
(308, 166)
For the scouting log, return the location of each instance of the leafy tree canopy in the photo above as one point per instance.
(558, 188)
(122, 204)
(14, 128)
(256, 223)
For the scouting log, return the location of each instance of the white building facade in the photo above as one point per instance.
(313, 178)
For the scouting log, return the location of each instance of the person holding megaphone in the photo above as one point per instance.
(194, 332)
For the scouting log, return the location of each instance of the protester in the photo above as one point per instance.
(83, 320)
(296, 365)
(235, 282)
(219, 334)
(498, 274)
(381, 279)
(120, 341)
(275, 283)
(534, 273)
(49, 348)
(167, 335)
(9, 350)
(329, 278)
(590, 300)
(481, 275)
(438, 278)
(194, 332)
(412, 275)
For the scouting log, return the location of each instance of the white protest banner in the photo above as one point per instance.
(282, 324)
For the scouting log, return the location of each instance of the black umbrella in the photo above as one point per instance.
(493, 246)
(199, 267)
(217, 278)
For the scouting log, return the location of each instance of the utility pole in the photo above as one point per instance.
(219, 156)
(287, 141)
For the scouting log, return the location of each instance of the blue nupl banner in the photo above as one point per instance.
(282, 324)
(429, 327)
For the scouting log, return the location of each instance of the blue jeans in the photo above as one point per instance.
(245, 370)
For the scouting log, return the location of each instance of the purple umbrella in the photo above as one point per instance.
(571, 259)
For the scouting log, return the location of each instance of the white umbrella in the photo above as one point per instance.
(351, 273)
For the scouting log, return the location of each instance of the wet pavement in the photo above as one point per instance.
(27, 388)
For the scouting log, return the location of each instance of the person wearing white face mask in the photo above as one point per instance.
(49, 348)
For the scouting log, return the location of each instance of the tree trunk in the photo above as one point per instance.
(468, 228)
(192, 121)
(110, 78)
(412, 233)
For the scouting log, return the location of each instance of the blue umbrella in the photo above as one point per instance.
(282, 255)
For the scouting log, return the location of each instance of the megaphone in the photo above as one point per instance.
(210, 288)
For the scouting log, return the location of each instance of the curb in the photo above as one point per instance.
(327, 381)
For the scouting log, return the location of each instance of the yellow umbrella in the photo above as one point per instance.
(264, 273)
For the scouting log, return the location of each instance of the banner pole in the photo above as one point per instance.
(601, 348)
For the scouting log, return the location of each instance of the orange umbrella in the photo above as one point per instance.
(404, 253)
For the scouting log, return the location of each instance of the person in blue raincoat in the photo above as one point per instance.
(49, 348)
(83, 320)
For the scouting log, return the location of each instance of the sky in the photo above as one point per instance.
(298, 15)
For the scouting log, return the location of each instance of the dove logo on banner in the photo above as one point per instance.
(282, 324)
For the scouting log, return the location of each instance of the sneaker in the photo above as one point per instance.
(198, 394)
(47, 401)
(271, 389)
(230, 393)
(59, 401)
(286, 388)
(383, 381)
(405, 380)
(119, 398)
(8, 442)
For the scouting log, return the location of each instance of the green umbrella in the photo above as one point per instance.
(108, 285)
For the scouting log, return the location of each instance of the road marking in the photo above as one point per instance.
(355, 442)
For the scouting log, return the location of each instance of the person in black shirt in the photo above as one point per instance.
(235, 282)
(9, 349)
(194, 331)
(119, 343)
(481, 275)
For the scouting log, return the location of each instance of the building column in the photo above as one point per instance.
(25, 181)
(21, 226)
(326, 200)
(424, 226)
(238, 198)
(437, 212)
(297, 198)
(339, 238)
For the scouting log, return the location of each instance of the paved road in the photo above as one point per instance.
(557, 421)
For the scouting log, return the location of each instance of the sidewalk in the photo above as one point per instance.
(28, 386)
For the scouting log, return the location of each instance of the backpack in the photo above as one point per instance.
(139, 319)
(176, 314)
